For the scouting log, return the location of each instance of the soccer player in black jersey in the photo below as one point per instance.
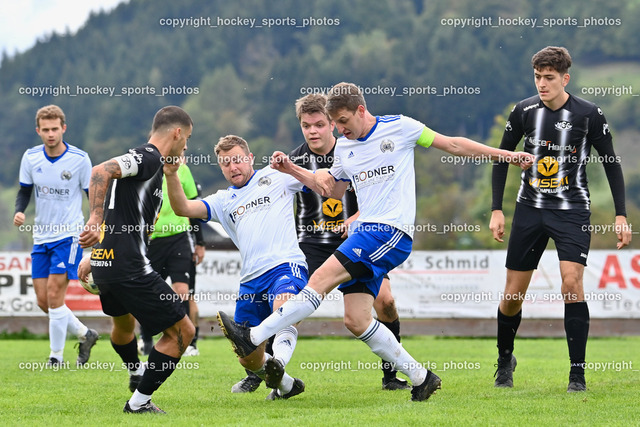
(321, 223)
(553, 202)
(125, 195)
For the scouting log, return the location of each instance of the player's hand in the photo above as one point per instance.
(325, 182)
(91, 234)
(496, 225)
(522, 159)
(198, 254)
(171, 166)
(84, 268)
(281, 162)
(623, 232)
(18, 219)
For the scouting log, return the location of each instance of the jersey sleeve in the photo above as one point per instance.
(214, 203)
(25, 172)
(336, 169)
(600, 138)
(188, 183)
(510, 138)
(140, 163)
(85, 176)
(416, 132)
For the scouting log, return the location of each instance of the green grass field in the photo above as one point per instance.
(346, 392)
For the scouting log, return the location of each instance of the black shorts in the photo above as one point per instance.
(148, 298)
(172, 257)
(532, 228)
(317, 254)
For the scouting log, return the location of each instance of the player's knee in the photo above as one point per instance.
(386, 309)
(356, 325)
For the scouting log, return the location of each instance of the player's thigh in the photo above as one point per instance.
(330, 274)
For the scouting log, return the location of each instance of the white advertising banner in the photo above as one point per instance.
(430, 284)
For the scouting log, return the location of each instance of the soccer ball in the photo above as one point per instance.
(89, 285)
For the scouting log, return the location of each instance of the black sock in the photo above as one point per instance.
(145, 335)
(507, 329)
(269, 346)
(387, 367)
(195, 337)
(128, 353)
(159, 368)
(576, 326)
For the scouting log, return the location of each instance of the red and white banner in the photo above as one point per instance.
(430, 284)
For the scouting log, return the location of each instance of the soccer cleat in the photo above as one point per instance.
(191, 351)
(238, 335)
(147, 408)
(53, 362)
(84, 348)
(504, 371)
(395, 384)
(273, 373)
(576, 383)
(248, 384)
(298, 387)
(427, 388)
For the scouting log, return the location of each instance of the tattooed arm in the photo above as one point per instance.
(101, 176)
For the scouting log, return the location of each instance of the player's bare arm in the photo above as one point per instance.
(459, 146)
(179, 203)
(101, 176)
(321, 181)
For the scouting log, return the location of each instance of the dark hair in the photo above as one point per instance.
(344, 95)
(170, 116)
(310, 104)
(554, 57)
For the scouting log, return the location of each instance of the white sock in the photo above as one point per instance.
(384, 344)
(286, 384)
(58, 328)
(74, 325)
(284, 344)
(291, 312)
(140, 371)
(138, 399)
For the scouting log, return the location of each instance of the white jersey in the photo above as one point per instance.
(59, 185)
(380, 168)
(259, 219)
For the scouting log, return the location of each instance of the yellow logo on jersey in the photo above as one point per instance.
(548, 166)
(332, 207)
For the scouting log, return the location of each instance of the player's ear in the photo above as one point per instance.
(565, 79)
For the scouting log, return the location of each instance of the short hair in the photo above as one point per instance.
(311, 104)
(50, 112)
(227, 142)
(554, 57)
(344, 95)
(170, 116)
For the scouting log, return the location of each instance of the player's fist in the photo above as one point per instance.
(18, 219)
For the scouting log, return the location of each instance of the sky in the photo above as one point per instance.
(23, 22)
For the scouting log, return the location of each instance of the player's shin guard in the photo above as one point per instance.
(284, 344)
(129, 354)
(291, 312)
(160, 367)
(382, 342)
(387, 367)
(507, 329)
(576, 326)
(58, 319)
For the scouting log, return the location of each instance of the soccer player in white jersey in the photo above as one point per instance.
(257, 213)
(376, 155)
(59, 172)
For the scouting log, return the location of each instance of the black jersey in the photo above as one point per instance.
(130, 209)
(561, 140)
(317, 217)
